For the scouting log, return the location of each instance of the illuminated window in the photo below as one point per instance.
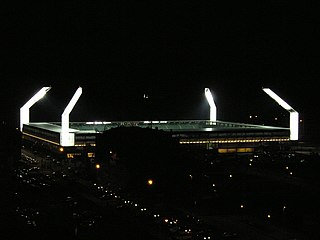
(72, 155)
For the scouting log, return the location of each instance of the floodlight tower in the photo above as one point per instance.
(294, 115)
(213, 108)
(66, 137)
(25, 109)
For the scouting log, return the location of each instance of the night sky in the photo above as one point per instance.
(170, 50)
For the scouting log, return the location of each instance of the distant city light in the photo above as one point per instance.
(97, 123)
(150, 182)
(98, 166)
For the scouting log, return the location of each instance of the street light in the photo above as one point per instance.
(150, 182)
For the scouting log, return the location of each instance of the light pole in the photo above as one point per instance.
(24, 110)
(294, 115)
(66, 137)
(213, 108)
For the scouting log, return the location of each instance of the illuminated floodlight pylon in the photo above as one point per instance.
(67, 137)
(25, 109)
(213, 108)
(294, 115)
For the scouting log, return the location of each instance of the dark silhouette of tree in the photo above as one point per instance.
(132, 155)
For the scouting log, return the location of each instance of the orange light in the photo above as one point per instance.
(150, 182)
(61, 149)
(97, 166)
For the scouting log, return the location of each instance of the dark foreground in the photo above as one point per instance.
(267, 196)
(54, 211)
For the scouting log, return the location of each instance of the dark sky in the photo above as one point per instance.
(119, 50)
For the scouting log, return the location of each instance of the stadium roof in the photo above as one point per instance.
(176, 126)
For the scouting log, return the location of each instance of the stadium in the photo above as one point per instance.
(69, 140)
